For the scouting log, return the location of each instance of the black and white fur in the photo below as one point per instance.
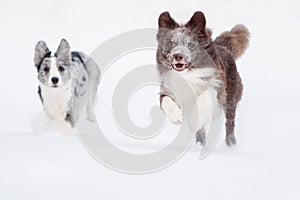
(67, 81)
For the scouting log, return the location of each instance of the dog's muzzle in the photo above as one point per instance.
(180, 58)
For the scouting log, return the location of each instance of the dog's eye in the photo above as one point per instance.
(191, 45)
(61, 68)
(46, 69)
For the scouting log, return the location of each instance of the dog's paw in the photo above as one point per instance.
(230, 140)
(201, 137)
(172, 111)
(39, 123)
(91, 117)
(66, 129)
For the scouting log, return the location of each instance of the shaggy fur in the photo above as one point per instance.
(182, 55)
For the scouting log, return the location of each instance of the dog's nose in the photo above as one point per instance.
(54, 80)
(178, 57)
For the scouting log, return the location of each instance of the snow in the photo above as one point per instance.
(265, 163)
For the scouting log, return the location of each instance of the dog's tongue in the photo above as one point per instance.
(179, 66)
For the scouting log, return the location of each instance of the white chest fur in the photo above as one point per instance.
(56, 101)
(203, 82)
(199, 80)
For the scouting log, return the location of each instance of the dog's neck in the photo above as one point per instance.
(57, 101)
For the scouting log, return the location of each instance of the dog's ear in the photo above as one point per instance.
(197, 23)
(165, 21)
(63, 52)
(41, 51)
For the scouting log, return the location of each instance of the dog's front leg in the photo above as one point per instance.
(171, 109)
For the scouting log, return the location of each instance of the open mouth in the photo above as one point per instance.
(54, 86)
(180, 66)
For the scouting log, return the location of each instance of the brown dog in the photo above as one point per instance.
(217, 86)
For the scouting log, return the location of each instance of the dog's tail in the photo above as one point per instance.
(236, 40)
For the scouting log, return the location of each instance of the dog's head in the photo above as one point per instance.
(180, 46)
(53, 71)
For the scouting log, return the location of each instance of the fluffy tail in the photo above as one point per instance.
(236, 40)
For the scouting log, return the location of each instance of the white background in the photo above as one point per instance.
(264, 165)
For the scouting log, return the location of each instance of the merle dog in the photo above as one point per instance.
(67, 81)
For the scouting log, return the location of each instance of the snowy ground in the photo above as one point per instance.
(264, 165)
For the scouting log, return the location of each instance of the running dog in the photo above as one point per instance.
(186, 50)
(67, 81)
